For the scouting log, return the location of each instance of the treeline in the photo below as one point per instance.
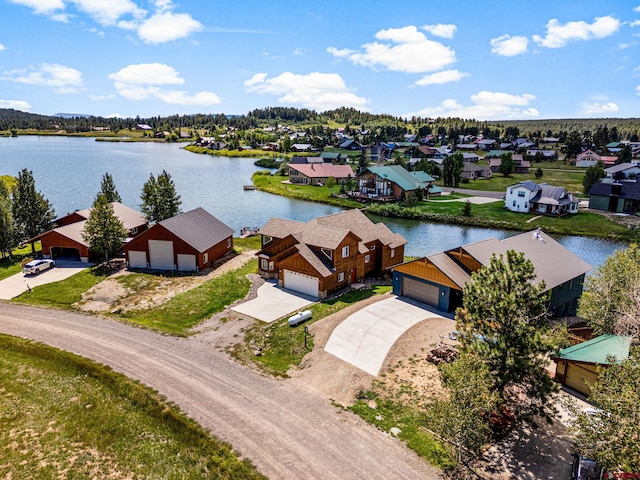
(371, 127)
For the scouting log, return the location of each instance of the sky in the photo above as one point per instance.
(487, 60)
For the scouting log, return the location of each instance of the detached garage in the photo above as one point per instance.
(187, 242)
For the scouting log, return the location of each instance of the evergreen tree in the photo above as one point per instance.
(502, 324)
(625, 155)
(108, 189)
(507, 164)
(593, 175)
(7, 230)
(159, 198)
(32, 212)
(539, 172)
(104, 232)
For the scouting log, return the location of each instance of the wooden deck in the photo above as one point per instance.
(248, 231)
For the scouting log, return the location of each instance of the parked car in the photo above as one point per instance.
(37, 266)
(584, 468)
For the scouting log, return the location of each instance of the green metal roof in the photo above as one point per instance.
(597, 350)
(397, 174)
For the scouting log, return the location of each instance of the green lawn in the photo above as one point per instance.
(282, 345)
(65, 293)
(189, 308)
(13, 266)
(63, 416)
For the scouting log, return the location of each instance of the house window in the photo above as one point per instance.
(393, 252)
(373, 247)
(264, 264)
(521, 194)
(327, 253)
(266, 239)
(526, 205)
(205, 257)
(228, 243)
(134, 230)
(367, 258)
(345, 251)
(514, 203)
(341, 277)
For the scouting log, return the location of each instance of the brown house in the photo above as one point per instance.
(66, 242)
(187, 242)
(327, 253)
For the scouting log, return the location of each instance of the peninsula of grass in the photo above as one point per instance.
(283, 346)
(64, 416)
(65, 293)
(189, 308)
(263, 180)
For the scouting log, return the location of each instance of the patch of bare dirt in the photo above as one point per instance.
(147, 292)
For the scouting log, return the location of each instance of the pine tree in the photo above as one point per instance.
(7, 230)
(108, 189)
(104, 232)
(159, 198)
(502, 324)
(32, 212)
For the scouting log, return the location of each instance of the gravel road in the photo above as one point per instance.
(284, 429)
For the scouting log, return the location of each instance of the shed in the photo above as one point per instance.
(579, 365)
(187, 242)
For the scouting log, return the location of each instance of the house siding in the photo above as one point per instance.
(53, 239)
(564, 298)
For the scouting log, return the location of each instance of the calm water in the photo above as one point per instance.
(68, 172)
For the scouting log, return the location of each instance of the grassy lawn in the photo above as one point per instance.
(11, 267)
(63, 416)
(189, 308)
(282, 345)
(245, 244)
(324, 194)
(65, 293)
(410, 420)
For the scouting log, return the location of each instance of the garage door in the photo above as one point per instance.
(161, 254)
(65, 253)
(299, 282)
(186, 263)
(420, 291)
(137, 259)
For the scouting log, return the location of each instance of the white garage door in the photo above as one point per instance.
(161, 254)
(186, 263)
(420, 291)
(137, 259)
(299, 282)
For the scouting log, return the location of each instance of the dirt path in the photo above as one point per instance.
(285, 429)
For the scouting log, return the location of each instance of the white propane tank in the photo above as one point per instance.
(299, 317)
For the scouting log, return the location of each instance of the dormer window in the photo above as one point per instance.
(345, 251)
(266, 239)
(327, 253)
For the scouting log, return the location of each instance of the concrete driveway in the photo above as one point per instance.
(364, 338)
(16, 284)
(273, 303)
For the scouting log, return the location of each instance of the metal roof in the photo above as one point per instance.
(198, 228)
(597, 350)
(400, 176)
(324, 170)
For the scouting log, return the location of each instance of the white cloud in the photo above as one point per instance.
(638, 89)
(635, 23)
(637, 9)
(406, 50)
(165, 27)
(441, 30)
(143, 81)
(62, 79)
(16, 105)
(596, 108)
(508, 46)
(41, 7)
(486, 106)
(320, 91)
(559, 35)
(109, 12)
(299, 51)
(439, 78)
(2, 47)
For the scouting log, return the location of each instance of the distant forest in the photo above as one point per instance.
(378, 127)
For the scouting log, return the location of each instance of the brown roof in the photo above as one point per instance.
(280, 227)
(450, 268)
(129, 217)
(198, 228)
(323, 170)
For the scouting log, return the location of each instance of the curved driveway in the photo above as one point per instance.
(286, 432)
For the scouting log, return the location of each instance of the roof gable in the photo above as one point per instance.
(597, 350)
(198, 228)
(398, 175)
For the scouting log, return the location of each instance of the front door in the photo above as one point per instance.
(352, 276)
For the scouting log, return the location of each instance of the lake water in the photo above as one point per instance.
(68, 172)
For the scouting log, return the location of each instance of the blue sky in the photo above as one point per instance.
(492, 60)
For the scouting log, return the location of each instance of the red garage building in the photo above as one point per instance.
(187, 242)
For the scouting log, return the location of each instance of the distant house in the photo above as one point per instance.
(351, 144)
(390, 183)
(622, 171)
(521, 165)
(143, 126)
(332, 157)
(589, 158)
(65, 241)
(541, 198)
(615, 196)
(471, 171)
(327, 253)
(466, 146)
(319, 173)
(469, 157)
(438, 280)
(187, 242)
(538, 154)
(580, 365)
(485, 144)
(301, 147)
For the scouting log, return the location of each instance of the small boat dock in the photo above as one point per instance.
(249, 187)
(248, 231)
